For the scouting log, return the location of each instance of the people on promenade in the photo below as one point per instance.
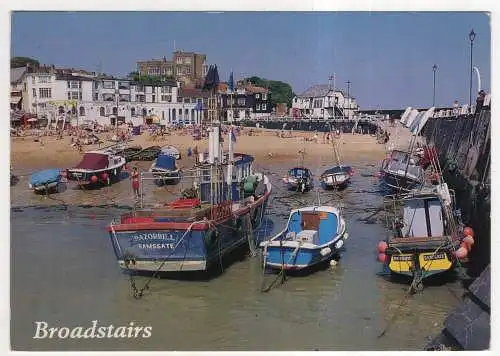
(480, 101)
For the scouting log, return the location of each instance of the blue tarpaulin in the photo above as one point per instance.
(165, 162)
(45, 177)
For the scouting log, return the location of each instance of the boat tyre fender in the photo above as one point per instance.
(237, 224)
(211, 237)
(255, 215)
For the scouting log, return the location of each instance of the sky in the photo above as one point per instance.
(387, 57)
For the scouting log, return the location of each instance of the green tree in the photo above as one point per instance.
(16, 62)
(149, 79)
(281, 92)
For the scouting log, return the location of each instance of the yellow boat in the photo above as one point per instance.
(427, 234)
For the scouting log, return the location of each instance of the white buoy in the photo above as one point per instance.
(325, 251)
(333, 263)
(346, 236)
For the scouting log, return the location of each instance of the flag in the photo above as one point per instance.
(233, 135)
(231, 82)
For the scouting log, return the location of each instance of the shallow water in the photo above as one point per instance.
(64, 272)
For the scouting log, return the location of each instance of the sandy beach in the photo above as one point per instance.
(272, 153)
(27, 155)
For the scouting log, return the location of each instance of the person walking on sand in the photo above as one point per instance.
(135, 182)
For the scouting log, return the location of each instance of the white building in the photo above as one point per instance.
(323, 102)
(78, 96)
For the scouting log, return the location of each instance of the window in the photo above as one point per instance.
(44, 79)
(115, 110)
(80, 95)
(73, 110)
(132, 111)
(141, 98)
(241, 101)
(187, 100)
(140, 88)
(74, 84)
(124, 97)
(96, 96)
(73, 95)
(34, 91)
(318, 103)
(69, 95)
(124, 85)
(108, 84)
(108, 97)
(258, 107)
(144, 112)
(82, 111)
(96, 85)
(45, 93)
(154, 98)
(167, 98)
(264, 96)
(154, 71)
(188, 71)
(101, 111)
(264, 107)
(257, 96)
(179, 70)
(165, 90)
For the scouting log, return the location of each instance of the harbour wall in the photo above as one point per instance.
(463, 145)
(344, 125)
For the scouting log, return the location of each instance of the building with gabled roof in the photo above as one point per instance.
(322, 101)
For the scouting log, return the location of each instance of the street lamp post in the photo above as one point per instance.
(434, 68)
(472, 36)
(348, 99)
(117, 94)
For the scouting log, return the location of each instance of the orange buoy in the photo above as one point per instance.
(468, 231)
(461, 252)
(382, 246)
(382, 258)
(468, 240)
(93, 179)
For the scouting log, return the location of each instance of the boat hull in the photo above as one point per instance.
(145, 249)
(289, 257)
(399, 183)
(335, 182)
(44, 188)
(425, 262)
(84, 178)
(296, 186)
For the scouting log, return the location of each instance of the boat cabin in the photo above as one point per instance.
(299, 172)
(242, 171)
(313, 225)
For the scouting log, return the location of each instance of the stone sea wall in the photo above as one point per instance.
(345, 126)
(463, 145)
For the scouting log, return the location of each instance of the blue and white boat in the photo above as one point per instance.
(223, 204)
(165, 170)
(299, 179)
(45, 181)
(337, 177)
(312, 235)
